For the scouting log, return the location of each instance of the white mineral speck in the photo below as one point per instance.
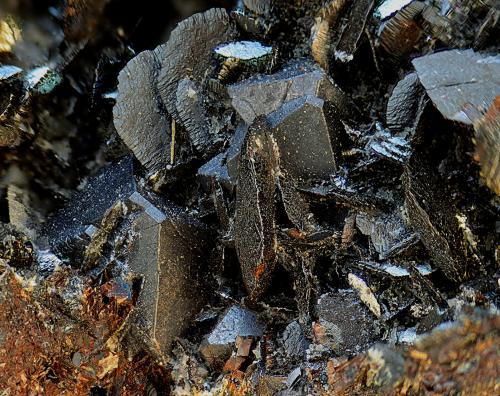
(244, 50)
(389, 7)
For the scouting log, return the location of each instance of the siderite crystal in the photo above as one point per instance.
(168, 253)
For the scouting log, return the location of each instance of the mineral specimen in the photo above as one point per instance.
(344, 325)
(286, 184)
(70, 229)
(261, 95)
(255, 234)
(472, 79)
(167, 253)
(139, 117)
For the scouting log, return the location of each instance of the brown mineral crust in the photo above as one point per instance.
(461, 359)
(234, 363)
(45, 350)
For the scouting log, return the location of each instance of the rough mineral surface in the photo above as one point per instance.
(81, 350)
(191, 113)
(405, 103)
(186, 55)
(255, 234)
(344, 323)
(71, 227)
(147, 135)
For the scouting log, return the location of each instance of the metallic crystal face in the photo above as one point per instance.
(148, 136)
(263, 94)
(237, 321)
(345, 323)
(243, 50)
(306, 151)
(168, 254)
(472, 79)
